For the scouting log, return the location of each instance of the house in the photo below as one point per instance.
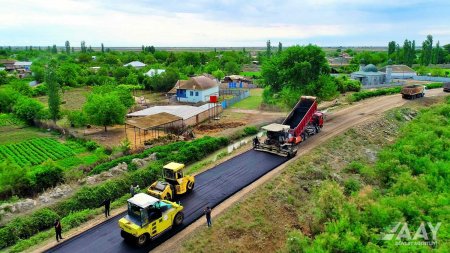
(370, 76)
(8, 64)
(401, 72)
(153, 72)
(196, 89)
(135, 64)
(26, 65)
(236, 81)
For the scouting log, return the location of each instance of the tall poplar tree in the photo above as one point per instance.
(54, 99)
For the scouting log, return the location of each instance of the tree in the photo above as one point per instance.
(391, 47)
(218, 74)
(280, 47)
(3, 77)
(13, 178)
(83, 46)
(232, 67)
(54, 49)
(295, 67)
(103, 48)
(54, 99)
(38, 72)
(104, 110)
(67, 47)
(268, 49)
(427, 48)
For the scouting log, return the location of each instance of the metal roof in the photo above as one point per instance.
(183, 111)
(274, 127)
(143, 200)
(174, 166)
(135, 64)
(153, 120)
(363, 73)
(23, 63)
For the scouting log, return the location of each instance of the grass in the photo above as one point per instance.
(73, 99)
(252, 74)
(253, 102)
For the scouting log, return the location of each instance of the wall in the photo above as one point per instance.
(203, 116)
(432, 78)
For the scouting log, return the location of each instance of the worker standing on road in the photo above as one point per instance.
(58, 230)
(255, 141)
(107, 204)
(132, 190)
(207, 212)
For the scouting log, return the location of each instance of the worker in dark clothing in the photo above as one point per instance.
(132, 192)
(107, 204)
(58, 230)
(255, 141)
(207, 212)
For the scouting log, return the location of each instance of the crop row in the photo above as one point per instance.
(35, 151)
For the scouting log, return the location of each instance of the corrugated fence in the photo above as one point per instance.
(238, 95)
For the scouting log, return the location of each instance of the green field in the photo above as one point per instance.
(253, 102)
(73, 99)
(36, 151)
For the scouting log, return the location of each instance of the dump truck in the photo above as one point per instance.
(303, 121)
(446, 87)
(148, 218)
(175, 182)
(413, 91)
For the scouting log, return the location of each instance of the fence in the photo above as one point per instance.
(238, 95)
(432, 78)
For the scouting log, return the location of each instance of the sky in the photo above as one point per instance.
(222, 23)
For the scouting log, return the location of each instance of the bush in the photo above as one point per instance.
(46, 175)
(251, 130)
(77, 118)
(357, 96)
(28, 109)
(8, 98)
(91, 145)
(40, 90)
(351, 185)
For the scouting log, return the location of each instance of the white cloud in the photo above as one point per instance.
(209, 23)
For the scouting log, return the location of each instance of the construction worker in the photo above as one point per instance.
(207, 212)
(107, 204)
(132, 190)
(58, 230)
(255, 141)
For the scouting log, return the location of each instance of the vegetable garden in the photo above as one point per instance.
(36, 151)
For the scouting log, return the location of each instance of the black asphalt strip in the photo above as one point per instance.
(211, 188)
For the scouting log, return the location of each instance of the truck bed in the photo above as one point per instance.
(298, 113)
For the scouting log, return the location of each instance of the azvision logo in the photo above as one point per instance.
(403, 236)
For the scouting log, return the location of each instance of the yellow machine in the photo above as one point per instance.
(175, 183)
(148, 218)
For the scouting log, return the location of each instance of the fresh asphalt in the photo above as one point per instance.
(211, 188)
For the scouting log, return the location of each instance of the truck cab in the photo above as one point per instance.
(148, 217)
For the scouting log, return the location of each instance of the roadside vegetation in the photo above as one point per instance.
(345, 195)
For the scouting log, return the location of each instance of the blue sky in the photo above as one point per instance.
(222, 23)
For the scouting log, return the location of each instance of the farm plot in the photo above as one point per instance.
(36, 151)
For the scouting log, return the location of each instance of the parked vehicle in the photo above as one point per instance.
(413, 91)
(303, 121)
(446, 87)
(148, 218)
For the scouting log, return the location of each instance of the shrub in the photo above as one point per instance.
(28, 109)
(351, 185)
(44, 218)
(47, 175)
(40, 90)
(91, 145)
(77, 118)
(8, 98)
(251, 130)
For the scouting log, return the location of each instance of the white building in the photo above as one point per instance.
(23, 65)
(153, 72)
(135, 64)
(401, 72)
(196, 89)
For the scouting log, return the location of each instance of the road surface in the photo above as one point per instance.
(217, 184)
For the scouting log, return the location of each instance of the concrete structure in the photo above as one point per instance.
(135, 64)
(153, 72)
(196, 89)
(400, 72)
(369, 76)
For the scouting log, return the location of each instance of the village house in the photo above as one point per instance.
(196, 89)
(236, 81)
(401, 72)
(370, 76)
